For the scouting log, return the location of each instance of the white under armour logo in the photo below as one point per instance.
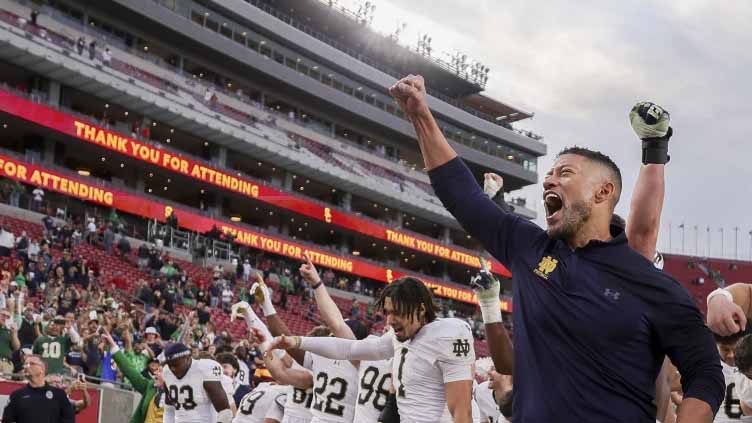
(611, 294)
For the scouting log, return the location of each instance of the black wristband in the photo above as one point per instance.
(655, 150)
(316, 286)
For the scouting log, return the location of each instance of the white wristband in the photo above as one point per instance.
(491, 312)
(720, 291)
(267, 306)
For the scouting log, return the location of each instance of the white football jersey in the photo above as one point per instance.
(243, 377)
(255, 405)
(187, 394)
(335, 389)
(441, 352)
(487, 406)
(375, 381)
(730, 411)
(229, 386)
(298, 404)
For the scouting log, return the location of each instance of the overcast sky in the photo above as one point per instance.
(580, 66)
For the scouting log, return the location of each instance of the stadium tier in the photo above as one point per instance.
(347, 177)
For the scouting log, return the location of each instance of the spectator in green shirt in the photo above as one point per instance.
(137, 354)
(8, 341)
(168, 269)
(284, 281)
(54, 346)
(151, 406)
(114, 218)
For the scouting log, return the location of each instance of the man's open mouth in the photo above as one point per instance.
(553, 204)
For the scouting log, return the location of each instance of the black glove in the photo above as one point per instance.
(651, 123)
(482, 280)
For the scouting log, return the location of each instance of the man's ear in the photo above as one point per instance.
(606, 192)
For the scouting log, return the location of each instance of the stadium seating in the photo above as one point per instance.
(175, 84)
(702, 275)
(294, 314)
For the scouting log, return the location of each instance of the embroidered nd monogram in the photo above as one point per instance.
(546, 266)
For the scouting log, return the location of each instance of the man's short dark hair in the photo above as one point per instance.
(743, 354)
(600, 158)
(731, 340)
(227, 358)
(407, 294)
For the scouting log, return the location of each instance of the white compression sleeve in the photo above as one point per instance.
(256, 323)
(348, 349)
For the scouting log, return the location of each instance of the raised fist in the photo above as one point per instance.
(649, 120)
(652, 124)
(492, 183)
(410, 94)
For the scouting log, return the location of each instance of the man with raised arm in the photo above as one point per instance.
(593, 318)
(651, 124)
(432, 366)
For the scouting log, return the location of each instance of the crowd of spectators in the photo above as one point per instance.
(51, 292)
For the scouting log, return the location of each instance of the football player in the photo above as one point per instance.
(432, 358)
(194, 392)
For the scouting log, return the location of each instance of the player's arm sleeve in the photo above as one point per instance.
(347, 349)
(276, 412)
(689, 344)
(503, 234)
(455, 355)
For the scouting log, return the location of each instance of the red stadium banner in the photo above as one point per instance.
(113, 141)
(91, 191)
(89, 415)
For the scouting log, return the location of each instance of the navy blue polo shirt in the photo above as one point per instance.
(591, 325)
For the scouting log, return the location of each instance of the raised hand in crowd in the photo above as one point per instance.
(308, 271)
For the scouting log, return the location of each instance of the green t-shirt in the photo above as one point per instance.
(6, 351)
(53, 351)
(139, 361)
(21, 281)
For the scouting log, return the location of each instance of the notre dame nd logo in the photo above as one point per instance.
(546, 266)
(461, 347)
